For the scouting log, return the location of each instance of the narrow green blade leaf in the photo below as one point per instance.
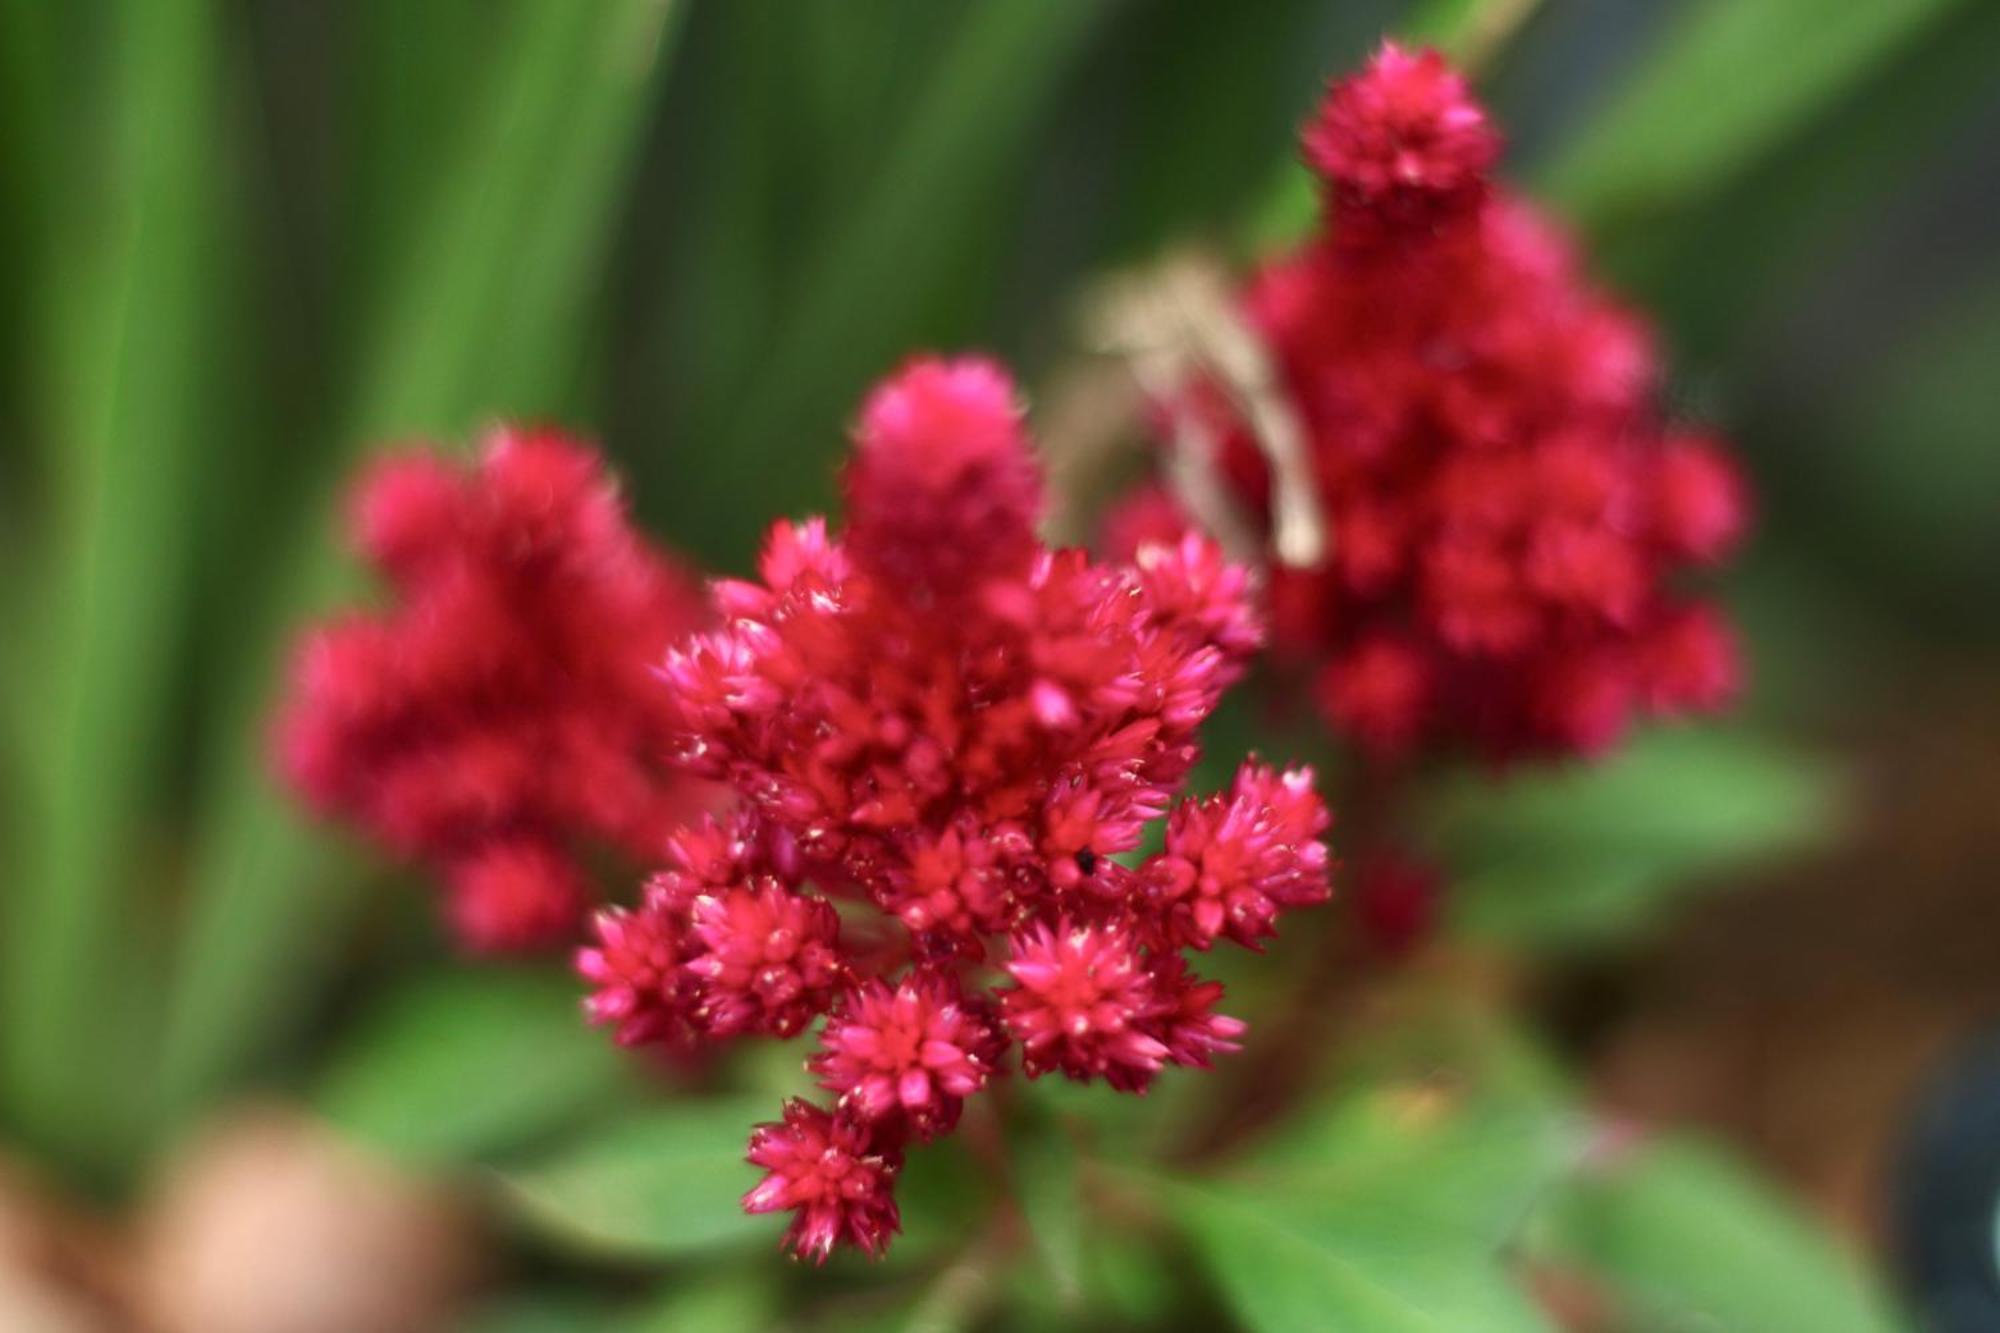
(895, 244)
(662, 1185)
(480, 317)
(1729, 82)
(130, 365)
(471, 1063)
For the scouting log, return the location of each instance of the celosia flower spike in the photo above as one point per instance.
(500, 715)
(954, 732)
(1510, 517)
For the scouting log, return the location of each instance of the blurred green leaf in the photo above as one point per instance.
(543, 1313)
(126, 347)
(1365, 1271)
(1729, 280)
(1587, 854)
(1929, 498)
(1468, 1170)
(1691, 1240)
(480, 315)
(464, 1064)
(1130, 1277)
(1469, 32)
(1727, 85)
(1045, 1171)
(952, 150)
(733, 1301)
(1389, 1208)
(656, 1186)
(945, 1195)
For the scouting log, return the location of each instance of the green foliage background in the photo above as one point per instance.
(243, 241)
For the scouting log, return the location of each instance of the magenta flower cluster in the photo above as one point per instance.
(947, 742)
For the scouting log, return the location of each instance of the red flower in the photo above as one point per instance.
(942, 490)
(1232, 863)
(825, 1169)
(1187, 1024)
(915, 1050)
(1403, 136)
(1396, 901)
(513, 894)
(1083, 1002)
(500, 713)
(953, 732)
(768, 961)
(1508, 517)
(636, 965)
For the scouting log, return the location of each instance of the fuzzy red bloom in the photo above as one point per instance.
(942, 490)
(1699, 502)
(1395, 900)
(500, 713)
(1508, 517)
(513, 894)
(916, 1050)
(824, 1169)
(1404, 137)
(954, 732)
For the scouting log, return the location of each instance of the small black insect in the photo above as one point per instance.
(1086, 861)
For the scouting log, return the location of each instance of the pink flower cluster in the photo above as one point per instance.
(959, 736)
(1507, 515)
(500, 714)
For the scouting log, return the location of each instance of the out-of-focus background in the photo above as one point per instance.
(244, 241)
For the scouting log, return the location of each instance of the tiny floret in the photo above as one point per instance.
(824, 1170)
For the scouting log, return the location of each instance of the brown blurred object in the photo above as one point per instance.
(60, 1271)
(1801, 1016)
(270, 1223)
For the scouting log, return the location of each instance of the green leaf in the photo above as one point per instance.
(1387, 1209)
(1045, 1169)
(738, 1299)
(1366, 1272)
(1728, 84)
(542, 1312)
(1691, 1240)
(478, 315)
(1923, 501)
(657, 1186)
(469, 1063)
(900, 237)
(130, 302)
(1587, 854)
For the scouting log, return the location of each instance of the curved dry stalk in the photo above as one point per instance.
(1177, 320)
